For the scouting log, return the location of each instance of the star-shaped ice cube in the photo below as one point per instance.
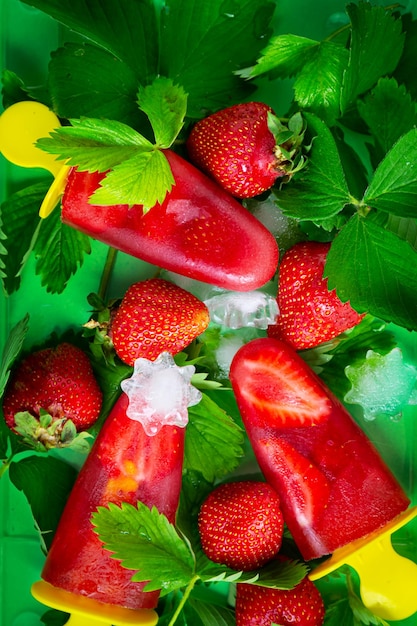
(160, 393)
(382, 384)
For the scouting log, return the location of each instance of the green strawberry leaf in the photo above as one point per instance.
(10, 444)
(13, 88)
(404, 227)
(284, 56)
(217, 38)
(95, 145)
(389, 112)
(376, 46)
(213, 443)
(79, 84)
(165, 104)
(143, 179)
(317, 87)
(319, 191)
(275, 575)
(318, 68)
(139, 171)
(145, 541)
(12, 349)
(208, 613)
(393, 187)
(375, 270)
(46, 482)
(404, 72)
(128, 30)
(19, 228)
(59, 251)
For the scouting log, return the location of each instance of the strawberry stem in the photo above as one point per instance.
(183, 601)
(107, 271)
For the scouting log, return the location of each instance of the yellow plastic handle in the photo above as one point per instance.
(21, 125)
(87, 612)
(388, 581)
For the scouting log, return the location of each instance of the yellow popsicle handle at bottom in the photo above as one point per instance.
(388, 581)
(87, 612)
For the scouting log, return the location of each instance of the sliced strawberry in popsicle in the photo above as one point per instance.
(281, 396)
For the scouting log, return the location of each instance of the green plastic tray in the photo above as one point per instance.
(27, 36)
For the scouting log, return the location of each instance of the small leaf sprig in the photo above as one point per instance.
(143, 540)
(138, 171)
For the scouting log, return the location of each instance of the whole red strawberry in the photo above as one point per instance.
(53, 386)
(156, 316)
(241, 524)
(236, 147)
(309, 314)
(261, 606)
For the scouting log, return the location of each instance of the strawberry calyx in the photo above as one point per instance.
(289, 138)
(47, 432)
(97, 328)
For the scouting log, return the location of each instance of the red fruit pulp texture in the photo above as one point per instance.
(124, 465)
(347, 490)
(199, 230)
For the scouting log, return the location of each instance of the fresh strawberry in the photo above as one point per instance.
(262, 606)
(52, 392)
(241, 524)
(310, 314)
(156, 316)
(236, 147)
(271, 388)
(199, 231)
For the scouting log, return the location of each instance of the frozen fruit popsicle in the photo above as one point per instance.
(137, 456)
(335, 489)
(198, 231)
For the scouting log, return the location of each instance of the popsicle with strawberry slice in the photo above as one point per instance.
(337, 494)
(137, 456)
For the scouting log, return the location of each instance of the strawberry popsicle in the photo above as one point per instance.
(199, 231)
(333, 484)
(337, 494)
(138, 456)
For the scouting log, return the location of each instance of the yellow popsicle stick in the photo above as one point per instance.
(388, 581)
(87, 612)
(21, 125)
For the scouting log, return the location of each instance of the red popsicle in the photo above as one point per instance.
(333, 484)
(137, 456)
(199, 230)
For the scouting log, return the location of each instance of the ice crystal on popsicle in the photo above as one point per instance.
(382, 384)
(160, 392)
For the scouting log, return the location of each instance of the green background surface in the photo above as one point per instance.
(27, 38)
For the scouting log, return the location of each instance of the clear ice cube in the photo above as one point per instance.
(160, 393)
(253, 309)
(382, 384)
